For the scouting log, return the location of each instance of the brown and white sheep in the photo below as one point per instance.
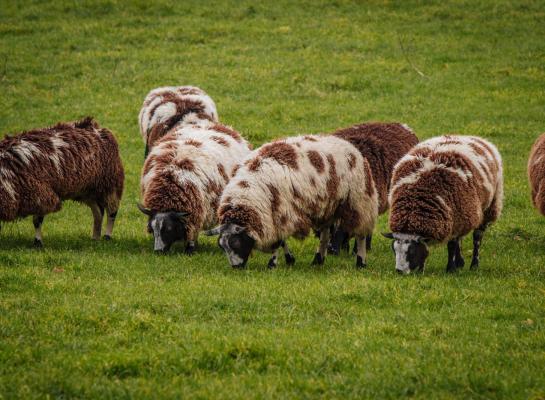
(167, 107)
(536, 173)
(183, 178)
(382, 145)
(441, 190)
(290, 186)
(39, 169)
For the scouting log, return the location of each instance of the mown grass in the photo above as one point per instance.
(84, 319)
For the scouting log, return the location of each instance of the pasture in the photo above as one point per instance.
(85, 319)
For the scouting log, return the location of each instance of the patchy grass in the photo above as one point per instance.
(113, 320)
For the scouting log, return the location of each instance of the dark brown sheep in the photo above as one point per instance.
(39, 169)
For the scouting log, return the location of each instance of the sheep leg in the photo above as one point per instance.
(290, 259)
(190, 247)
(112, 215)
(459, 259)
(37, 221)
(368, 240)
(452, 247)
(98, 215)
(477, 239)
(321, 252)
(361, 254)
(273, 261)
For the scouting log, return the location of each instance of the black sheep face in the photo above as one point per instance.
(411, 251)
(236, 243)
(167, 228)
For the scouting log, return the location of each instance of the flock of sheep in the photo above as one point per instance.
(200, 175)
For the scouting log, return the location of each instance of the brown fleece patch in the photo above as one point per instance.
(275, 199)
(281, 152)
(228, 131)
(310, 138)
(369, 184)
(242, 215)
(87, 168)
(220, 140)
(244, 184)
(349, 219)
(382, 145)
(221, 170)
(316, 160)
(185, 164)
(254, 164)
(235, 170)
(536, 173)
(332, 183)
(313, 181)
(296, 194)
(351, 161)
(192, 142)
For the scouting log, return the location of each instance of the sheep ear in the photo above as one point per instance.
(182, 216)
(214, 231)
(145, 210)
(388, 235)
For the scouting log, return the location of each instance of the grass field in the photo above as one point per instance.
(84, 319)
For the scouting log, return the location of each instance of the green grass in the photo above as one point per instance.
(84, 319)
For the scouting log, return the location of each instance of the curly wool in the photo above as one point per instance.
(445, 187)
(69, 161)
(290, 186)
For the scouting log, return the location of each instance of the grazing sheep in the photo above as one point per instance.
(441, 190)
(290, 186)
(183, 178)
(536, 173)
(39, 169)
(167, 107)
(382, 145)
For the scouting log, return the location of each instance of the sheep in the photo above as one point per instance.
(41, 168)
(382, 145)
(289, 186)
(536, 173)
(183, 178)
(166, 107)
(440, 191)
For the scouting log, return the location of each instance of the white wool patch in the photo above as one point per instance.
(407, 127)
(6, 176)
(26, 150)
(162, 113)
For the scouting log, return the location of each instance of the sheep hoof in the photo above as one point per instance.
(107, 237)
(189, 250)
(460, 263)
(272, 263)
(474, 264)
(290, 259)
(38, 243)
(451, 269)
(359, 263)
(318, 259)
